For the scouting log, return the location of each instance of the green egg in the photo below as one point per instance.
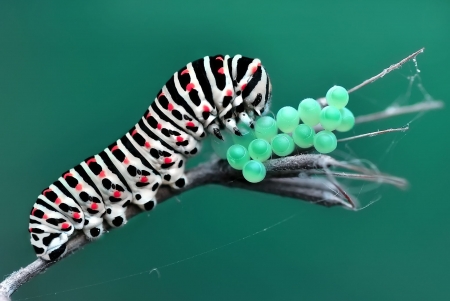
(282, 145)
(303, 136)
(330, 118)
(260, 150)
(266, 128)
(348, 121)
(309, 111)
(325, 142)
(337, 97)
(287, 119)
(254, 171)
(237, 156)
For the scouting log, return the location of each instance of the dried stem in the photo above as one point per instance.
(372, 134)
(387, 70)
(282, 179)
(426, 105)
(393, 67)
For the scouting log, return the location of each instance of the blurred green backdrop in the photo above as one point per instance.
(74, 75)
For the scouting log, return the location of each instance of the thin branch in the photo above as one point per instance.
(372, 134)
(426, 105)
(393, 67)
(398, 182)
(387, 70)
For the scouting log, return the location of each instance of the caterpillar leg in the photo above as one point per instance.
(93, 227)
(214, 129)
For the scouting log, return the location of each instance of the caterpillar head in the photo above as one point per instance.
(252, 84)
(258, 92)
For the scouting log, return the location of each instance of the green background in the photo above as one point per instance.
(75, 75)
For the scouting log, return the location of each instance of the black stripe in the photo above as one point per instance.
(215, 66)
(153, 135)
(267, 88)
(164, 117)
(170, 85)
(253, 82)
(184, 79)
(80, 170)
(230, 68)
(242, 67)
(64, 190)
(46, 205)
(113, 169)
(137, 154)
(200, 73)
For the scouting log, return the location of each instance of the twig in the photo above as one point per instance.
(426, 105)
(372, 134)
(393, 67)
(387, 70)
(398, 182)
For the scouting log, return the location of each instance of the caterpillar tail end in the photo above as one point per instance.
(54, 254)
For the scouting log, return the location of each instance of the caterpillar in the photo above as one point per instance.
(205, 96)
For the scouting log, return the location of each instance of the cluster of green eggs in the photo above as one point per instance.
(247, 152)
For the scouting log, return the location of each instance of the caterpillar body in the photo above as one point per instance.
(206, 95)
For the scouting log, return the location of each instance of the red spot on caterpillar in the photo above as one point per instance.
(243, 87)
(229, 92)
(159, 126)
(117, 194)
(170, 107)
(115, 147)
(32, 212)
(91, 160)
(45, 216)
(30, 229)
(58, 201)
(78, 187)
(161, 94)
(189, 87)
(180, 139)
(219, 58)
(76, 215)
(67, 175)
(126, 161)
(190, 123)
(144, 180)
(46, 190)
(221, 70)
(134, 132)
(254, 69)
(101, 174)
(167, 160)
(205, 108)
(184, 71)
(259, 64)
(148, 115)
(147, 144)
(65, 226)
(94, 206)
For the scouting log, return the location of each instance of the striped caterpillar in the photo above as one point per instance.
(206, 95)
